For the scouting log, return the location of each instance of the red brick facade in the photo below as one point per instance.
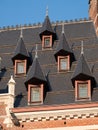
(93, 13)
(2, 115)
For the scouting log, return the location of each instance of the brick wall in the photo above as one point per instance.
(2, 109)
(2, 114)
(93, 13)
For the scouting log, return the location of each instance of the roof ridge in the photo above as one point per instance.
(39, 24)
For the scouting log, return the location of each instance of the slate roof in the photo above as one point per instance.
(20, 49)
(82, 70)
(46, 27)
(60, 88)
(35, 74)
(63, 46)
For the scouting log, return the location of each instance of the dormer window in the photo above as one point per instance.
(47, 41)
(63, 63)
(35, 94)
(83, 90)
(20, 67)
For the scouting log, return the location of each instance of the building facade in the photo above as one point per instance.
(49, 75)
(93, 12)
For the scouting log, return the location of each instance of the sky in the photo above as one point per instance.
(20, 12)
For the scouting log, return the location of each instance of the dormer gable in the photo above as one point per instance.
(63, 53)
(35, 74)
(63, 48)
(82, 79)
(82, 70)
(46, 28)
(20, 57)
(20, 51)
(47, 33)
(35, 83)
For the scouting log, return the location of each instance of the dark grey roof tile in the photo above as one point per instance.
(65, 97)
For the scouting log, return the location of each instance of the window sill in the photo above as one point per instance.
(63, 71)
(33, 103)
(47, 48)
(19, 75)
(82, 100)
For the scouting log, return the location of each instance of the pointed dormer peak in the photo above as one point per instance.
(63, 28)
(82, 49)
(21, 33)
(46, 11)
(35, 74)
(20, 50)
(36, 51)
(82, 70)
(63, 47)
(46, 28)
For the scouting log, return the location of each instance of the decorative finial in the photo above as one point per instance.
(11, 80)
(63, 27)
(11, 86)
(47, 11)
(36, 54)
(82, 51)
(21, 33)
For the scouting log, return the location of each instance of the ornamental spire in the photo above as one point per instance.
(36, 51)
(47, 11)
(21, 33)
(63, 27)
(12, 80)
(82, 49)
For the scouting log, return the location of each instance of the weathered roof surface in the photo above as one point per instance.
(60, 88)
(20, 49)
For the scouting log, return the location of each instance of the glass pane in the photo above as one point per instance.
(63, 64)
(47, 42)
(35, 94)
(83, 90)
(20, 67)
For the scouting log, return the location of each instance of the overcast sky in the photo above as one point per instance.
(13, 12)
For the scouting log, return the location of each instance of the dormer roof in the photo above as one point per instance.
(20, 51)
(46, 27)
(63, 46)
(82, 71)
(35, 74)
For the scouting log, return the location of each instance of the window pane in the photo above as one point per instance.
(63, 64)
(47, 42)
(35, 94)
(20, 67)
(83, 90)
